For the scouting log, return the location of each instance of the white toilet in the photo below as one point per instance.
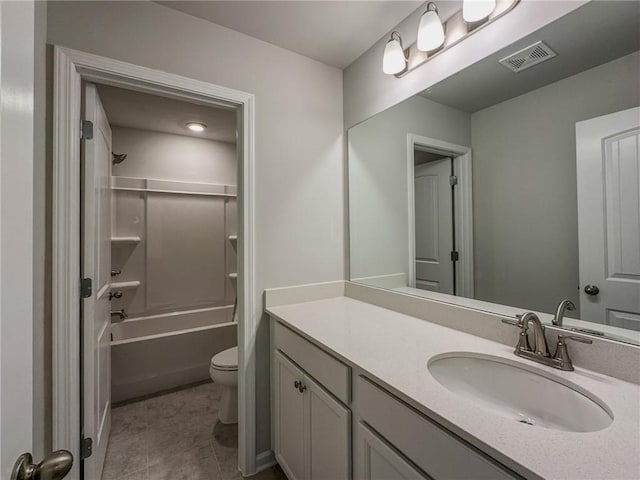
(224, 371)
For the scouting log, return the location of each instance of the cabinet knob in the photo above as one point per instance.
(297, 384)
(302, 387)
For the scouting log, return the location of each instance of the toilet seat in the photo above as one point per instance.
(226, 360)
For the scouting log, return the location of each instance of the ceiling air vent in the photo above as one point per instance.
(528, 57)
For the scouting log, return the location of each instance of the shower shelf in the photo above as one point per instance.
(125, 240)
(125, 285)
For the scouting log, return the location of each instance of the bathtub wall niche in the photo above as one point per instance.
(174, 226)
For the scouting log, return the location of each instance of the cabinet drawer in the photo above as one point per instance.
(426, 444)
(334, 375)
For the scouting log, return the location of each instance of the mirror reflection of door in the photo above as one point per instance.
(608, 165)
(434, 223)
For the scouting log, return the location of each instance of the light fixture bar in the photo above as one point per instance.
(456, 30)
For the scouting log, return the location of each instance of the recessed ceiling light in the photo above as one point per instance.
(196, 127)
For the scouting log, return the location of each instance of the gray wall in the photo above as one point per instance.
(299, 135)
(524, 184)
(180, 158)
(368, 91)
(378, 196)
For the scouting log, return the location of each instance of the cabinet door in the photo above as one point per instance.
(329, 425)
(377, 461)
(289, 418)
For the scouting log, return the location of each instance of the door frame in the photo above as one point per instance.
(71, 67)
(463, 198)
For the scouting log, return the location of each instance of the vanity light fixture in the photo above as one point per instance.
(476, 10)
(394, 60)
(436, 36)
(430, 30)
(196, 126)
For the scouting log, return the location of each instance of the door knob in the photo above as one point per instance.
(55, 466)
(591, 290)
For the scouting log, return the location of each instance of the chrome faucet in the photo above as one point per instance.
(564, 305)
(540, 352)
(541, 347)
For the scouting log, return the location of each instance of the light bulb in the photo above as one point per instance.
(476, 10)
(393, 60)
(196, 127)
(430, 30)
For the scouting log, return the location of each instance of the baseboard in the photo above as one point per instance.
(265, 460)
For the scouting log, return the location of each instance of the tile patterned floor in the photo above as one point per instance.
(174, 437)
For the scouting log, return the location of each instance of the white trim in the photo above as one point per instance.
(70, 67)
(464, 207)
(265, 460)
(66, 259)
(411, 209)
(464, 224)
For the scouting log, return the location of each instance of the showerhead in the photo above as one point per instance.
(118, 158)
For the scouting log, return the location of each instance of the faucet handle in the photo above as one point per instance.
(523, 338)
(562, 355)
(515, 323)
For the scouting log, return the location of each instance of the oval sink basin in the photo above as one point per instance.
(502, 388)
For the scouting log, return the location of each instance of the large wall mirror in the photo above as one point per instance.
(511, 186)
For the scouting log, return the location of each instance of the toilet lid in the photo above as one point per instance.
(226, 360)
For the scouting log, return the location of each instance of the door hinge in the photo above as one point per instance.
(86, 447)
(453, 180)
(455, 256)
(86, 130)
(86, 287)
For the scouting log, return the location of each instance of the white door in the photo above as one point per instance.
(96, 265)
(328, 439)
(289, 418)
(16, 232)
(434, 226)
(608, 166)
(18, 432)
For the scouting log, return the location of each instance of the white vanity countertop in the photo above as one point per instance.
(394, 349)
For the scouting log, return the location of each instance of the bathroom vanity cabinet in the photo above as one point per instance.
(311, 424)
(332, 421)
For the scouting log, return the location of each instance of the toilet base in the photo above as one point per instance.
(228, 411)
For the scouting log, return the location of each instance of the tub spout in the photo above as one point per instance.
(121, 314)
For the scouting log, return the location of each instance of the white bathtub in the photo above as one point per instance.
(159, 352)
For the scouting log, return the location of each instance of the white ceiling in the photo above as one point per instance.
(591, 35)
(127, 108)
(332, 32)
